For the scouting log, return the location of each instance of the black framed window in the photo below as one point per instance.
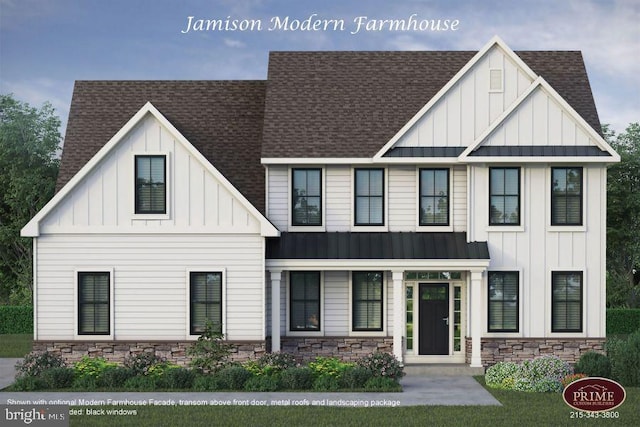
(206, 300)
(503, 301)
(434, 196)
(566, 196)
(367, 296)
(504, 196)
(566, 302)
(369, 196)
(93, 303)
(306, 203)
(151, 188)
(304, 302)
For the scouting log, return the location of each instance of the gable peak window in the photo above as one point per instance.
(369, 197)
(306, 197)
(93, 303)
(434, 196)
(566, 196)
(151, 188)
(504, 196)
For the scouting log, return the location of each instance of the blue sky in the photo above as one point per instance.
(45, 45)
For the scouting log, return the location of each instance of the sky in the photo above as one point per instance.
(45, 45)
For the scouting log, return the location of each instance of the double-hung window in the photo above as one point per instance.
(566, 196)
(566, 302)
(369, 197)
(503, 301)
(306, 197)
(205, 300)
(304, 302)
(151, 188)
(93, 303)
(367, 304)
(504, 196)
(434, 196)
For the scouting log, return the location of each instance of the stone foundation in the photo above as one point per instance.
(496, 350)
(346, 348)
(117, 351)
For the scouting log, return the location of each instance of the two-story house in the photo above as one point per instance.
(442, 206)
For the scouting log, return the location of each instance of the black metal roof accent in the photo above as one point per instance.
(424, 152)
(375, 245)
(536, 150)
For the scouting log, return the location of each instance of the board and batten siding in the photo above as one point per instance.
(150, 280)
(536, 248)
(104, 201)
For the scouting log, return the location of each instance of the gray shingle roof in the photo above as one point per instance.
(376, 245)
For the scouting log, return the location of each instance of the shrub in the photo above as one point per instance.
(263, 383)
(232, 377)
(16, 319)
(34, 364)
(502, 375)
(571, 378)
(547, 385)
(542, 374)
(271, 363)
(206, 382)
(594, 364)
(546, 367)
(382, 384)
(625, 359)
(58, 377)
(140, 383)
(622, 321)
(356, 377)
(159, 369)
(297, 378)
(86, 382)
(382, 365)
(180, 378)
(28, 383)
(92, 367)
(141, 362)
(326, 383)
(115, 377)
(328, 366)
(210, 353)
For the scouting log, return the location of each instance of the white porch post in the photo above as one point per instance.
(476, 318)
(398, 313)
(276, 277)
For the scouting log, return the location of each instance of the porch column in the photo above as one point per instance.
(398, 313)
(276, 277)
(476, 318)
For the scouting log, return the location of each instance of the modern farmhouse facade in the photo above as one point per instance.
(447, 207)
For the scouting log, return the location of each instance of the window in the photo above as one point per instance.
(304, 301)
(566, 304)
(566, 196)
(367, 301)
(206, 300)
(93, 303)
(434, 196)
(369, 197)
(151, 196)
(306, 203)
(504, 196)
(503, 301)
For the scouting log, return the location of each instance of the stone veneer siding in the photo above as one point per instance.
(117, 351)
(346, 348)
(496, 350)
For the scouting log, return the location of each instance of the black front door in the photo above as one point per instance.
(434, 318)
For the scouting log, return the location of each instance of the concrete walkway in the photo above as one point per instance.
(418, 390)
(7, 371)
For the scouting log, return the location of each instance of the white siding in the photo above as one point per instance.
(338, 198)
(336, 303)
(104, 201)
(403, 198)
(459, 198)
(277, 193)
(150, 282)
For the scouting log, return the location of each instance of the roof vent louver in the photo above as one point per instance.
(495, 80)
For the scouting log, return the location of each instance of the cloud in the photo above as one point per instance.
(234, 43)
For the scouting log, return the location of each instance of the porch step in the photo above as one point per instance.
(446, 369)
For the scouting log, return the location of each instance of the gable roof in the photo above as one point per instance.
(221, 119)
(350, 104)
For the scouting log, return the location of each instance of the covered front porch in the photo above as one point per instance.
(416, 295)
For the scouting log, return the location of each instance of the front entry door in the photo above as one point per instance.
(434, 318)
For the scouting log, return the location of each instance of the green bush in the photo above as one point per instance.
(116, 376)
(543, 374)
(593, 364)
(232, 377)
(210, 352)
(326, 383)
(179, 378)
(206, 382)
(92, 367)
(623, 321)
(16, 319)
(141, 383)
(34, 364)
(141, 362)
(271, 363)
(546, 367)
(625, 359)
(356, 377)
(382, 365)
(86, 382)
(58, 377)
(502, 375)
(29, 384)
(382, 384)
(297, 378)
(263, 383)
(328, 366)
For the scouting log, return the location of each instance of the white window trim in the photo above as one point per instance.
(323, 198)
(507, 228)
(563, 228)
(485, 304)
(290, 333)
(85, 337)
(204, 269)
(168, 186)
(386, 292)
(434, 228)
(372, 228)
(549, 303)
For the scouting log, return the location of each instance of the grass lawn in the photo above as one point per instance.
(15, 345)
(519, 408)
